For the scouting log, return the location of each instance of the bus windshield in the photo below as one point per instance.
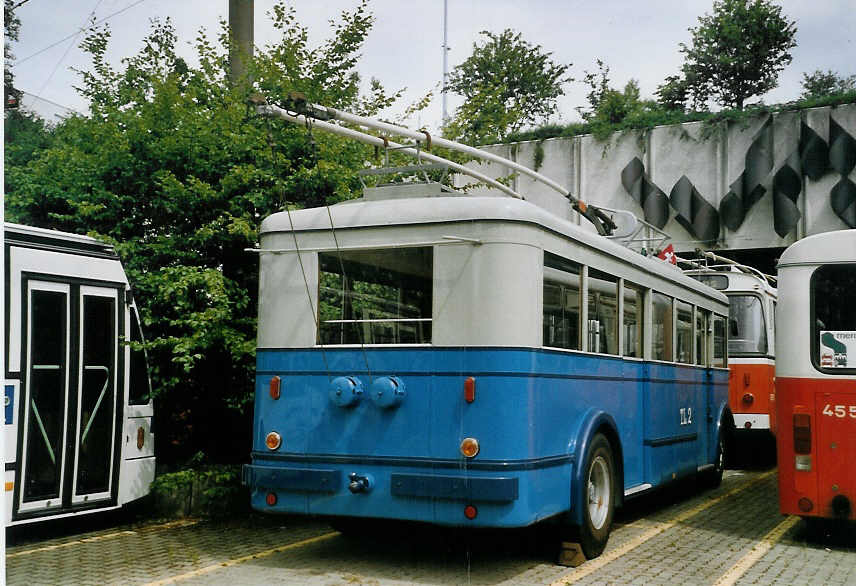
(747, 332)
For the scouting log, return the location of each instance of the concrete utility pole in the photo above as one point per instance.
(445, 57)
(241, 25)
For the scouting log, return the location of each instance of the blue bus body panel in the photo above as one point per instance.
(529, 409)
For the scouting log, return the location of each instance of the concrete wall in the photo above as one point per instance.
(711, 158)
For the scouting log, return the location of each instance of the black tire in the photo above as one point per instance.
(597, 497)
(712, 477)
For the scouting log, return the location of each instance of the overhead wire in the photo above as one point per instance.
(67, 49)
(74, 34)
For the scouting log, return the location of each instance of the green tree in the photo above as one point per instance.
(174, 168)
(611, 109)
(11, 28)
(506, 83)
(738, 51)
(821, 83)
(674, 93)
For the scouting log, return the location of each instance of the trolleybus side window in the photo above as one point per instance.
(375, 296)
(139, 388)
(719, 341)
(747, 332)
(661, 327)
(602, 312)
(834, 317)
(634, 303)
(561, 302)
(701, 335)
(684, 332)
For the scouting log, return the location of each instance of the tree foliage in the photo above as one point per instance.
(507, 83)
(174, 168)
(737, 52)
(11, 29)
(821, 83)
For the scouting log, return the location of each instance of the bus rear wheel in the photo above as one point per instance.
(598, 500)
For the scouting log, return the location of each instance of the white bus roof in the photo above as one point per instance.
(826, 248)
(462, 208)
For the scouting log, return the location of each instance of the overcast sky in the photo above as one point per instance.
(637, 40)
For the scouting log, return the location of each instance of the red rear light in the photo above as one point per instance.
(470, 390)
(802, 433)
(470, 512)
(271, 498)
(275, 384)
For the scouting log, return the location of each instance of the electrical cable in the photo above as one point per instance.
(74, 34)
(67, 49)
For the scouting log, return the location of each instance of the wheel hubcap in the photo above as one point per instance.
(599, 492)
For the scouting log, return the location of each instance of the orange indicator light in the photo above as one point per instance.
(273, 441)
(470, 447)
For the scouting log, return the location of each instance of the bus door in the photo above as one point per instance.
(68, 442)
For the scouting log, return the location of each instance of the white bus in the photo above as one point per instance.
(78, 409)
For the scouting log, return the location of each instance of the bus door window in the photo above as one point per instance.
(701, 333)
(46, 408)
(602, 312)
(661, 325)
(97, 403)
(719, 342)
(834, 317)
(634, 303)
(684, 332)
(375, 296)
(561, 309)
(747, 331)
(139, 390)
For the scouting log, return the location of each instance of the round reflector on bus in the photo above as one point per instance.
(271, 498)
(470, 447)
(749, 398)
(470, 512)
(273, 440)
(805, 505)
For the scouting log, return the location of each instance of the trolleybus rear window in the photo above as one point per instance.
(375, 296)
(834, 318)
(747, 327)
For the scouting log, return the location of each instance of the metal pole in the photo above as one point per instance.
(445, 57)
(241, 30)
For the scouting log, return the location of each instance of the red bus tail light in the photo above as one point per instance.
(802, 433)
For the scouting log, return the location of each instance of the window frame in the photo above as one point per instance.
(814, 343)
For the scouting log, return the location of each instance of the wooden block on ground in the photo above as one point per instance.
(571, 555)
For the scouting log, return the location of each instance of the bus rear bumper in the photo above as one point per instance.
(445, 497)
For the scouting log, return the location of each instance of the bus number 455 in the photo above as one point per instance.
(840, 410)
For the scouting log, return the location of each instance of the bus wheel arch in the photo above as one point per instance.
(598, 475)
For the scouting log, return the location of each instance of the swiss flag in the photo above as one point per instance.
(668, 255)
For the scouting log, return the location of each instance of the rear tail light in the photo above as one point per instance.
(748, 398)
(275, 384)
(802, 433)
(470, 512)
(470, 389)
(805, 505)
(270, 499)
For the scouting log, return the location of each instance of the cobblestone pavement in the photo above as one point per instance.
(731, 535)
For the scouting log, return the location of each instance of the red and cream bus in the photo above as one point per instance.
(816, 376)
(751, 340)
